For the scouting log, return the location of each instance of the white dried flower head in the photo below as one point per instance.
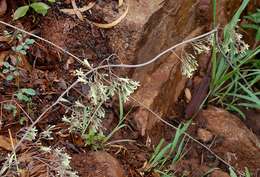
(126, 87)
(85, 61)
(203, 45)
(47, 134)
(45, 149)
(31, 134)
(79, 72)
(98, 92)
(189, 65)
(79, 104)
(235, 44)
(64, 168)
(81, 76)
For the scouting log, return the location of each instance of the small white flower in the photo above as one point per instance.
(79, 72)
(85, 61)
(45, 149)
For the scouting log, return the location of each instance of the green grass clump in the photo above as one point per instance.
(169, 154)
(235, 70)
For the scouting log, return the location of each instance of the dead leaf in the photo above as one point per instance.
(199, 95)
(76, 10)
(24, 173)
(4, 39)
(120, 3)
(23, 61)
(5, 143)
(112, 24)
(3, 56)
(82, 9)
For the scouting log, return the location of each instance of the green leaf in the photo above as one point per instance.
(232, 173)
(22, 97)
(11, 107)
(29, 91)
(19, 48)
(6, 64)
(29, 41)
(247, 173)
(51, 1)
(20, 12)
(9, 77)
(255, 17)
(257, 36)
(5, 71)
(251, 26)
(40, 8)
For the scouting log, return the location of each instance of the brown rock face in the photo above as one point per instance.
(149, 28)
(98, 164)
(219, 173)
(238, 143)
(3, 7)
(154, 26)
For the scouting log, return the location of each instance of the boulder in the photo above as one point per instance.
(98, 164)
(236, 143)
(219, 173)
(204, 135)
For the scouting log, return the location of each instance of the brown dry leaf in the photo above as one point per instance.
(3, 56)
(120, 3)
(23, 62)
(26, 157)
(5, 143)
(4, 39)
(82, 9)
(112, 24)
(38, 170)
(24, 173)
(76, 10)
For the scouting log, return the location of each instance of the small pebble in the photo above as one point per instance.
(204, 135)
(188, 95)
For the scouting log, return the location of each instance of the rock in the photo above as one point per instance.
(187, 94)
(98, 164)
(149, 28)
(219, 173)
(252, 121)
(238, 145)
(3, 7)
(204, 135)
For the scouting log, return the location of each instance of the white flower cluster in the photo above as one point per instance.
(189, 62)
(240, 45)
(90, 116)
